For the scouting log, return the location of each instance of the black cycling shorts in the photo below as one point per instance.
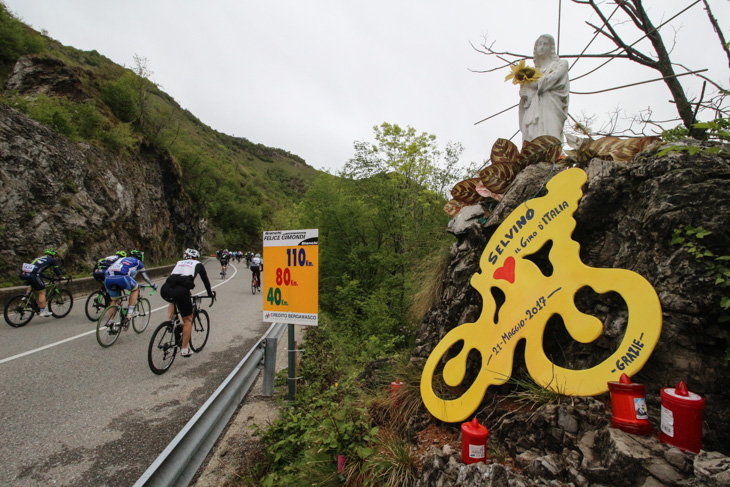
(180, 295)
(34, 281)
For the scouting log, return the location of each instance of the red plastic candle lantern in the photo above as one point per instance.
(473, 442)
(629, 406)
(682, 418)
(341, 461)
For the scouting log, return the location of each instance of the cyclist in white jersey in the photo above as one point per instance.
(176, 290)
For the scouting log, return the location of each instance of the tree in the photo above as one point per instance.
(377, 218)
(661, 61)
(634, 14)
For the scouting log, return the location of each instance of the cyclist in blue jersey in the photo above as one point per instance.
(103, 264)
(34, 273)
(120, 275)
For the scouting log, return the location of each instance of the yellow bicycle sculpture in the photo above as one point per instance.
(531, 298)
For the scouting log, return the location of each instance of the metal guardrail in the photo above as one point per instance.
(180, 461)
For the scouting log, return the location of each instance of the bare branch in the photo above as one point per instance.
(498, 113)
(591, 41)
(715, 26)
(700, 76)
(635, 84)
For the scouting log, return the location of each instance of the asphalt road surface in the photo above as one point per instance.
(75, 414)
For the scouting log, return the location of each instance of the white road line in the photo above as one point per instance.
(51, 345)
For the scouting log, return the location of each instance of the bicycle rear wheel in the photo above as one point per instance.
(200, 330)
(253, 285)
(144, 313)
(109, 326)
(60, 303)
(96, 303)
(18, 311)
(162, 349)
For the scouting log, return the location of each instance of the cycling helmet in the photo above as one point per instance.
(191, 254)
(50, 252)
(121, 253)
(138, 254)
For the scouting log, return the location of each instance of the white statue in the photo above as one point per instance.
(544, 103)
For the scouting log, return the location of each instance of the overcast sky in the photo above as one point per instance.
(313, 76)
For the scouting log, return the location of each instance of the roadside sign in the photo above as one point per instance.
(291, 276)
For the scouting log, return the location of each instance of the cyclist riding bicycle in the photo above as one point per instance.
(103, 264)
(225, 257)
(120, 275)
(176, 291)
(257, 265)
(34, 273)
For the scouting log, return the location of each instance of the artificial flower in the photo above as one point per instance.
(522, 73)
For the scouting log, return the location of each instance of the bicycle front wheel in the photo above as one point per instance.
(60, 303)
(144, 313)
(18, 311)
(109, 326)
(200, 330)
(96, 303)
(162, 349)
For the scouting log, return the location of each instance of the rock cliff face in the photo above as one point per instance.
(85, 201)
(625, 219)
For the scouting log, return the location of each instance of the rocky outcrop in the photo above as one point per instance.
(625, 219)
(573, 445)
(34, 75)
(86, 201)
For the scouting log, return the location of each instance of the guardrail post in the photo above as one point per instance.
(292, 363)
(270, 345)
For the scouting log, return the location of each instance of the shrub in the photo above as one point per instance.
(120, 96)
(119, 139)
(16, 39)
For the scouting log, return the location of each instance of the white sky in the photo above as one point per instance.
(313, 76)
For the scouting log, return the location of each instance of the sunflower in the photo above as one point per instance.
(523, 74)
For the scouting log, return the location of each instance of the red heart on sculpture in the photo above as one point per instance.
(507, 271)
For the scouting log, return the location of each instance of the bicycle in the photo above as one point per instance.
(108, 327)
(224, 271)
(166, 341)
(255, 284)
(96, 303)
(22, 307)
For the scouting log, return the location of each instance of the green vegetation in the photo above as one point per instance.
(383, 247)
(717, 267)
(717, 130)
(16, 39)
(237, 185)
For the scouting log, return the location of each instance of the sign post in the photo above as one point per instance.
(291, 283)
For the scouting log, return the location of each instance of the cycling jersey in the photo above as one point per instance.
(34, 272)
(120, 275)
(40, 264)
(185, 272)
(181, 280)
(126, 266)
(102, 265)
(257, 262)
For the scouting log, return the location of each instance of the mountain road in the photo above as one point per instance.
(75, 414)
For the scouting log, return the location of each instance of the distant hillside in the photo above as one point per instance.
(236, 185)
